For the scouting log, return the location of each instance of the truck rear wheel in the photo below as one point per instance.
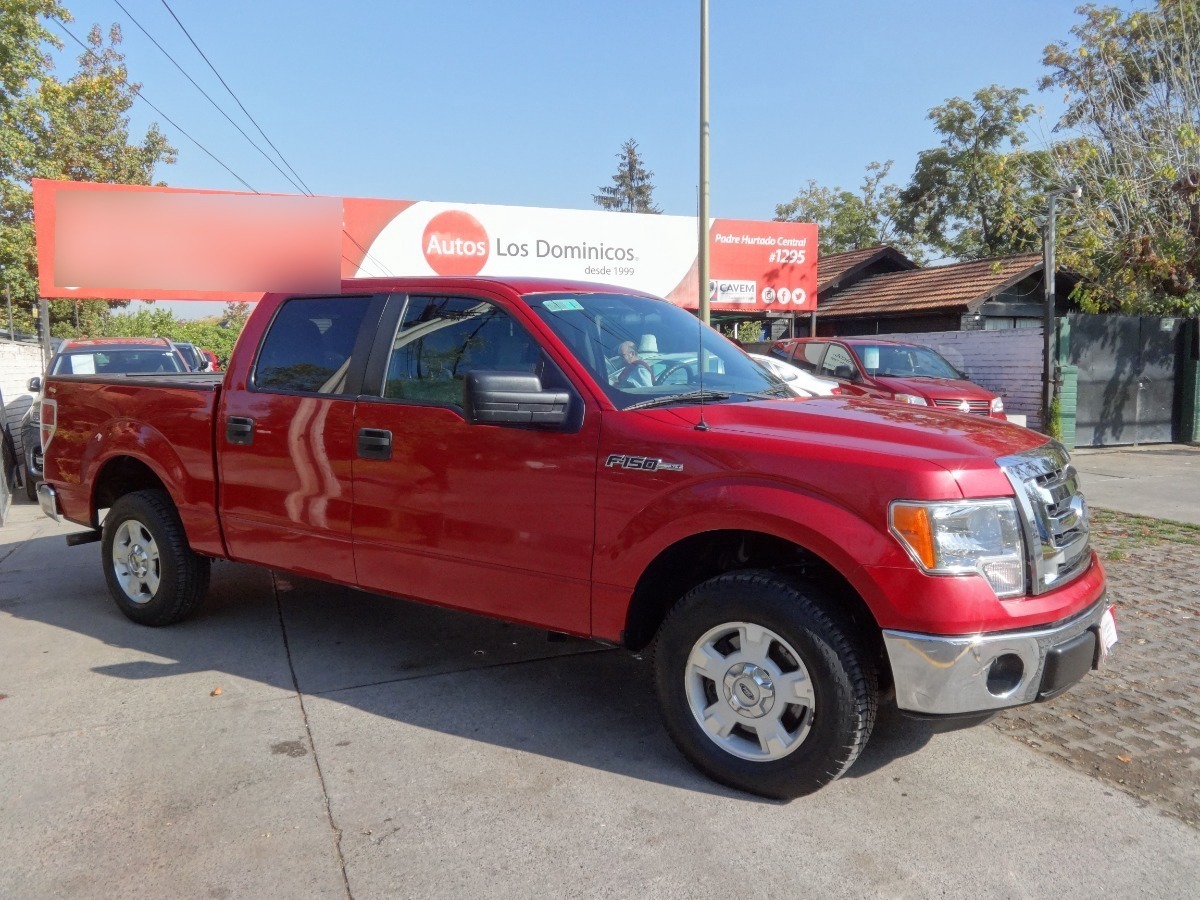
(152, 573)
(761, 688)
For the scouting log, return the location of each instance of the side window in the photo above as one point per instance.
(839, 363)
(807, 355)
(440, 339)
(307, 348)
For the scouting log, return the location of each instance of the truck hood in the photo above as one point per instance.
(858, 428)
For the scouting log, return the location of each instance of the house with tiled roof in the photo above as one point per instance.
(838, 271)
(878, 290)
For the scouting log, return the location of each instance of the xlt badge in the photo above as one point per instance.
(644, 463)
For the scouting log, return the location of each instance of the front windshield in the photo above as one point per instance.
(904, 361)
(645, 352)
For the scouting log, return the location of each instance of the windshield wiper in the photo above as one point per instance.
(689, 397)
(778, 390)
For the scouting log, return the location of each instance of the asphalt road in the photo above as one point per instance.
(299, 740)
(1159, 480)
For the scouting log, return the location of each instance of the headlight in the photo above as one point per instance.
(911, 398)
(980, 536)
(997, 405)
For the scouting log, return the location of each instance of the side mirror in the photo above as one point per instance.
(846, 373)
(35, 385)
(512, 398)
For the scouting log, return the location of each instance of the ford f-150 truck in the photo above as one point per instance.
(471, 442)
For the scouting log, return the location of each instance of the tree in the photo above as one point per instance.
(236, 314)
(632, 189)
(76, 129)
(849, 221)
(218, 335)
(977, 194)
(1133, 116)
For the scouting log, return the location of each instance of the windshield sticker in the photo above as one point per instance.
(561, 305)
(871, 357)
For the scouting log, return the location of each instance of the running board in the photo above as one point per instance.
(83, 537)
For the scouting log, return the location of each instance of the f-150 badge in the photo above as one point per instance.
(644, 463)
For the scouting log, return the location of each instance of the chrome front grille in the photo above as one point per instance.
(975, 407)
(1053, 514)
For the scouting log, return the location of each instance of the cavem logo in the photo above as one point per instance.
(455, 243)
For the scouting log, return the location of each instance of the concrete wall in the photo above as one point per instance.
(1008, 363)
(18, 363)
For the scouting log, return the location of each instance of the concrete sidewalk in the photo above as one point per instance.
(1158, 480)
(300, 740)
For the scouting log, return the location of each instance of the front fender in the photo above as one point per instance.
(839, 536)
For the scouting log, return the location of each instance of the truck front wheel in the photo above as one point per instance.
(760, 687)
(152, 573)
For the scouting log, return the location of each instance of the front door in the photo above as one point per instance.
(496, 519)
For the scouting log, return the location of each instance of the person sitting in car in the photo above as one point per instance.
(637, 371)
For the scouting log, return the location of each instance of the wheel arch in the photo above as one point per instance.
(695, 559)
(121, 475)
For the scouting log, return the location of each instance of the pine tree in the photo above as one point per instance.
(632, 189)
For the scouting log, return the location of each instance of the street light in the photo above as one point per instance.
(1074, 193)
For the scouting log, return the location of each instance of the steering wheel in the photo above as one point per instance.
(687, 369)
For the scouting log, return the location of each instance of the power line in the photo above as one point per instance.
(367, 255)
(207, 97)
(138, 93)
(235, 97)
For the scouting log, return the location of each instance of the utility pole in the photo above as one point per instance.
(702, 254)
(12, 335)
(1048, 267)
(44, 318)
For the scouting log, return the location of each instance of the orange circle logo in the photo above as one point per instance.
(455, 243)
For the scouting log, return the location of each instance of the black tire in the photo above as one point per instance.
(151, 571)
(806, 656)
(31, 485)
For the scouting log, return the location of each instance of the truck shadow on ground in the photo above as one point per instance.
(437, 669)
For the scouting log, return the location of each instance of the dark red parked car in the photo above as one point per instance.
(889, 370)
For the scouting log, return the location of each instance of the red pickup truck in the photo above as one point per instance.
(472, 443)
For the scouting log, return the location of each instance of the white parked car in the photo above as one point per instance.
(802, 383)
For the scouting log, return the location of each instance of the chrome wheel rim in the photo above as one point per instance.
(749, 691)
(135, 561)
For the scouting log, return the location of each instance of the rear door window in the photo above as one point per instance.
(309, 345)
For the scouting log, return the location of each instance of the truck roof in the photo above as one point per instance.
(73, 343)
(520, 284)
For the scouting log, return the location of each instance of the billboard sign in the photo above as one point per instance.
(123, 241)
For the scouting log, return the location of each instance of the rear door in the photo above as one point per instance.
(287, 440)
(496, 519)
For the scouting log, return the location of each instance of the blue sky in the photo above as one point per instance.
(528, 103)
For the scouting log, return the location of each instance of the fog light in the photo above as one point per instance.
(1004, 674)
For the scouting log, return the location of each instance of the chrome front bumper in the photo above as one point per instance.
(48, 501)
(977, 673)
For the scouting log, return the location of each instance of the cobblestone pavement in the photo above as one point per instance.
(1136, 723)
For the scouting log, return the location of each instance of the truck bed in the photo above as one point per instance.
(164, 422)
